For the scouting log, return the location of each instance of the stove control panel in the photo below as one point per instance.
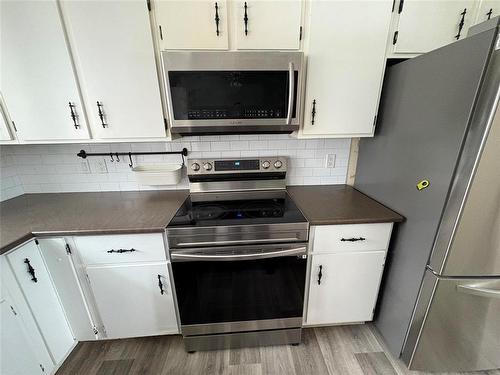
(235, 166)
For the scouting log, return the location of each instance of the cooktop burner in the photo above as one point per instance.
(213, 209)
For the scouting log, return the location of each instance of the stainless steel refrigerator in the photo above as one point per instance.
(435, 159)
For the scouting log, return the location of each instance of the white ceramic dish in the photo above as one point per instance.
(158, 174)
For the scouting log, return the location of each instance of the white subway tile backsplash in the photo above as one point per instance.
(56, 168)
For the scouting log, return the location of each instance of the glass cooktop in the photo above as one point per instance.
(212, 209)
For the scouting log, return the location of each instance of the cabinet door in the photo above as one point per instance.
(37, 78)
(34, 280)
(113, 49)
(427, 25)
(192, 24)
(346, 62)
(5, 132)
(268, 24)
(347, 288)
(22, 349)
(487, 10)
(58, 258)
(17, 356)
(130, 301)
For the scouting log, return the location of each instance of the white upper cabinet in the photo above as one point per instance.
(426, 25)
(346, 60)
(5, 131)
(267, 24)
(199, 24)
(33, 278)
(36, 77)
(114, 57)
(487, 10)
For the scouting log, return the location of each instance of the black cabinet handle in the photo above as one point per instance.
(31, 270)
(160, 285)
(245, 19)
(490, 12)
(101, 114)
(74, 117)
(354, 239)
(119, 251)
(217, 19)
(313, 112)
(461, 24)
(320, 274)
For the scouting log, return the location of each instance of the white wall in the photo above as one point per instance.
(56, 168)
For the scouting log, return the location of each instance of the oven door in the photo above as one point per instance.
(239, 289)
(233, 92)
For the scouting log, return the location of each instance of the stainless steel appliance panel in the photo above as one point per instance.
(243, 339)
(461, 331)
(425, 110)
(468, 242)
(217, 117)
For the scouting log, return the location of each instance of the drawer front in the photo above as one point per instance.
(351, 237)
(121, 248)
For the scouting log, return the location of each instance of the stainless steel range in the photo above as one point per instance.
(238, 247)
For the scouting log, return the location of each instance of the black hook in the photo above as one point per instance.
(131, 164)
(111, 154)
(117, 157)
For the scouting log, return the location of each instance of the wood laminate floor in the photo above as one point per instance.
(342, 350)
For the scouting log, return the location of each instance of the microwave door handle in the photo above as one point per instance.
(221, 257)
(291, 89)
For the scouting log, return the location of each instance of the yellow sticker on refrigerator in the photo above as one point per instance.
(423, 184)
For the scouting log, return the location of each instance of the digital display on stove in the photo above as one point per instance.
(237, 165)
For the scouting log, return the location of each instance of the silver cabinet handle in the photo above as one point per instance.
(479, 290)
(270, 254)
(291, 89)
(234, 242)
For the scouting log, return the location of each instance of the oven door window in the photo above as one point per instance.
(218, 95)
(215, 292)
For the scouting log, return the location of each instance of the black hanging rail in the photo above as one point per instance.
(84, 154)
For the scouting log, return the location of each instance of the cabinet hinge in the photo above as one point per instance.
(401, 4)
(68, 249)
(395, 37)
(161, 32)
(95, 330)
(14, 125)
(393, 5)
(36, 241)
(166, 123)
(374, 120)
(42, 368)
(148, 2)
(88, 278)
(13, 310)
(300, 33)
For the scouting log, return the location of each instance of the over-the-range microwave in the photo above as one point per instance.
(233, 92)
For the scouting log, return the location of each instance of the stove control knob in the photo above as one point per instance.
(266, 164)
(207, 166)
(278, 164)
(195, 167)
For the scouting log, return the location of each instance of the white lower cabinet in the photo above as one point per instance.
(134, 299)
(346, 266)
(35, 282)
(22, 349)
(59, 260)
(347, 289)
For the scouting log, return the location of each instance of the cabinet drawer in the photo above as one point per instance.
(351, 237)
(121, 248)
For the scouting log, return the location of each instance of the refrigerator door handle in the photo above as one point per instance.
(479, 290)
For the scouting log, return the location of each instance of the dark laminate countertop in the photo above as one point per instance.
(84, 213)
(140, 212)
(339, 204)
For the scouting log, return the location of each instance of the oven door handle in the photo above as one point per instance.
(235, 242)
(271, 254)
(291, 90)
